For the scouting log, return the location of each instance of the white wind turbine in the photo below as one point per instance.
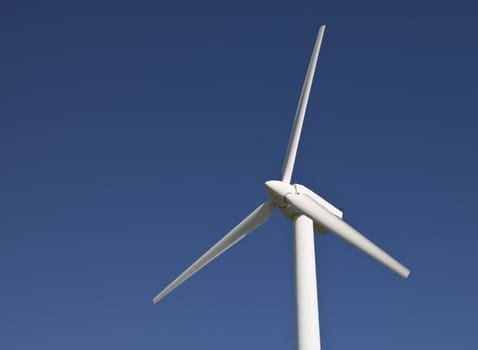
(309, 212)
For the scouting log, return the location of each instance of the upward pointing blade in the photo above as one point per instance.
(319, 214)
(289, 160)
(246, 226)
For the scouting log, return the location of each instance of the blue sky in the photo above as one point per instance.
(133, 135)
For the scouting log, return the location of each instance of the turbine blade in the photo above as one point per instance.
(334, 224)
(246, 226)
(289, 160)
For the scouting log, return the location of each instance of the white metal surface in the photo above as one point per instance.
(334, 224)
(301, 189)
(246, 226)
(278, 191)
(307, 309)
(289, 160)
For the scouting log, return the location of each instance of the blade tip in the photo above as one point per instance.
(405, 273)
(156, 299)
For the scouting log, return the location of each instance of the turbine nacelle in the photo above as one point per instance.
(279, 190)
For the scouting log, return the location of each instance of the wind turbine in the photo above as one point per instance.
(309, 212)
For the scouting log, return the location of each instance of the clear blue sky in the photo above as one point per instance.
(133, 135)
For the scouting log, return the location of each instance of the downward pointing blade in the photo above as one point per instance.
(320, 215)
(289, 160)
(246, 226)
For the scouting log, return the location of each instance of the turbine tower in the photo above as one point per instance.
(309, 212)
